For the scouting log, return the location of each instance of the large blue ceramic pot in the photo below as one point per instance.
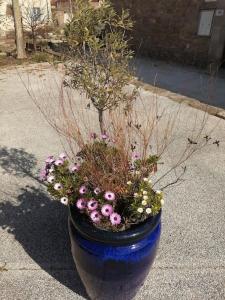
(113, 265)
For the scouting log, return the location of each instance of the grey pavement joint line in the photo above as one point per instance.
(153, 268)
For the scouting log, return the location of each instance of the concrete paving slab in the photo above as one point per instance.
(34, 242)
(163, 284)
(183, 80)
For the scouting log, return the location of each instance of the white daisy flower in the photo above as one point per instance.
(58, 186)
(136, 195)
(148, 210)
(145, 193)
(145, 197)
(144, 202)
(51, 170)
(51, 179)
(158, 192)
(129, 182)
(140, 210)
(64, 200)
(145, 179)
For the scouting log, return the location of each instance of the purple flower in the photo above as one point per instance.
(64, 200)
(93, 135)
(43, 175)
(104, 136)
(136, 155)
(92, 204)
(50, 160)
(63, 156)
(83, 190)
(107, 210)
(74, 168)
(81, 203)
(59, 162)
(109, 196)
(97, 191)
(51, 179)
(58, 186)
(95, 216)
(115, 219)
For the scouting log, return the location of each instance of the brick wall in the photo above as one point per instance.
(168, 29)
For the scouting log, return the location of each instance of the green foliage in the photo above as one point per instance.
(41, 57)
(103, 157)
(99, 54)
(68, 180)
(145, 198)
(148, 165)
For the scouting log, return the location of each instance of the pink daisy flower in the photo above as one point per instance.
(81, 203)
(83, 190)
(92, 204)
(43, 175)
(95, 216)
(63, 156)
(49, 159)
(115, 219)
(97, 191)
(104, 136)
(136, 155)
(59, 162)
(107, 210)
(74, 168)
(58, 186)
(110, 196)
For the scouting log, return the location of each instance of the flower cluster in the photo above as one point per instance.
(146, 200)
(103, 184)
(100, 207)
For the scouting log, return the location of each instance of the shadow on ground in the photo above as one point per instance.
(17, 162)
(38, 223)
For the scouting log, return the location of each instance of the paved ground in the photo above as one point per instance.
(34, 243)
(184, 80)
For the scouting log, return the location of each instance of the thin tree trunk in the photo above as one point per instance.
(21, 54)
(71, 9)
(34, 40)
(101, 122)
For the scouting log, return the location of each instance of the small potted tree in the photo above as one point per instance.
(114, 208)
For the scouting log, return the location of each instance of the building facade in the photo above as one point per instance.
(191, 32)
(30, 9)
(63, 10)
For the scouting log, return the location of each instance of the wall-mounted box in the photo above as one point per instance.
(205, 22)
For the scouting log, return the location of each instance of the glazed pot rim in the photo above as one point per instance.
(134, 234)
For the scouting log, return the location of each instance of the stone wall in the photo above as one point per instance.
(168, 29)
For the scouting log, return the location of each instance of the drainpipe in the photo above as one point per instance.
(217, 42)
